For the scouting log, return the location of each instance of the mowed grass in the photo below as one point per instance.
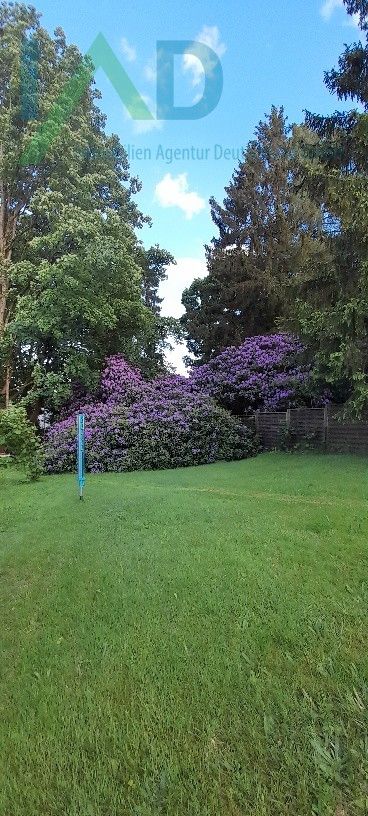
(188, 642)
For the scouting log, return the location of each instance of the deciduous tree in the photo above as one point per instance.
(70, 274)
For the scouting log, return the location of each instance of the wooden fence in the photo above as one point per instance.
(322, 428)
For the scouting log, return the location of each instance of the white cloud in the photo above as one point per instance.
(330, 6)
(210, 36)
(150, 71)
(128, 50)
(179, 277)
(174, 192)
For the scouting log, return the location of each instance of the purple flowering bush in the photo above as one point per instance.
(177, 421)
(139, 426)
(264, 373)
(120, 382)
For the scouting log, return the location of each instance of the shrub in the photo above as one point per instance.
(19, 438)
(175, 421)
(265, 372)
(148, 426)
(120, 383)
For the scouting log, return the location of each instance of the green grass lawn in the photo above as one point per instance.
(187, 643)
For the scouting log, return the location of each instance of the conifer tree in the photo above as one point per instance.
(267, 228)
(331, 301)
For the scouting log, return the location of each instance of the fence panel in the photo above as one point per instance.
(308, 424)
(270, 426)
(319, 427)
(347, 437)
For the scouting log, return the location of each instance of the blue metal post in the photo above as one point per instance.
(80, 453)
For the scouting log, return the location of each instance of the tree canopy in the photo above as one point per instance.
(331, 301)
(76, 283)
(73, 275)
(292, 250)
(268, 228)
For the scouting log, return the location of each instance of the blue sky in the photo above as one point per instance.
(272, 52)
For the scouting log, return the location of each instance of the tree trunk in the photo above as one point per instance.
(34, 411)
(7, 234)
(7, 386)
(4, 289)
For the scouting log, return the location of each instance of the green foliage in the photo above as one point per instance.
(268, 229)
(292, 251)
(331, 299)
(71, 279)
(19, 438)
(350, 80)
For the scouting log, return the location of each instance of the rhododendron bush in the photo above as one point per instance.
(264, 373)
(163, 428)
(176, 421)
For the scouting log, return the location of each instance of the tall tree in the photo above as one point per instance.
(350, 79)
(331, 303)
(267, 228)
(70, 279)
